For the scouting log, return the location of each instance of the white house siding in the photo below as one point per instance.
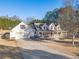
(58, 28)
(18, 33)
(52, 26)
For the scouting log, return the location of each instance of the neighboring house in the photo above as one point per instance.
(21, 31)
(45, 27)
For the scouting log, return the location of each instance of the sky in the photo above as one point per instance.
(28, 8)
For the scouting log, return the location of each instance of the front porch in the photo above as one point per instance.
(52, 34)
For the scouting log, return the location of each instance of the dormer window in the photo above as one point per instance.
(22, 26)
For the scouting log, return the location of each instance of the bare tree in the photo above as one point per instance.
(68, 20)
(68, 3)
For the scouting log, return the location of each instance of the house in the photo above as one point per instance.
(24, 31)
(21, 31)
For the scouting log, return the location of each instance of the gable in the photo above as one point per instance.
(21, 25)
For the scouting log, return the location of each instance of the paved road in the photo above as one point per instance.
(36, 50)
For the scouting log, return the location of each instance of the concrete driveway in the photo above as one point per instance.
(36, 50)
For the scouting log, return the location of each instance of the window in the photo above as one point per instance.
(22, 26)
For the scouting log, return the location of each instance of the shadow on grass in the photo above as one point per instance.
(8, 52)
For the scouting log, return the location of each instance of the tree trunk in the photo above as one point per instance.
(73, 42)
